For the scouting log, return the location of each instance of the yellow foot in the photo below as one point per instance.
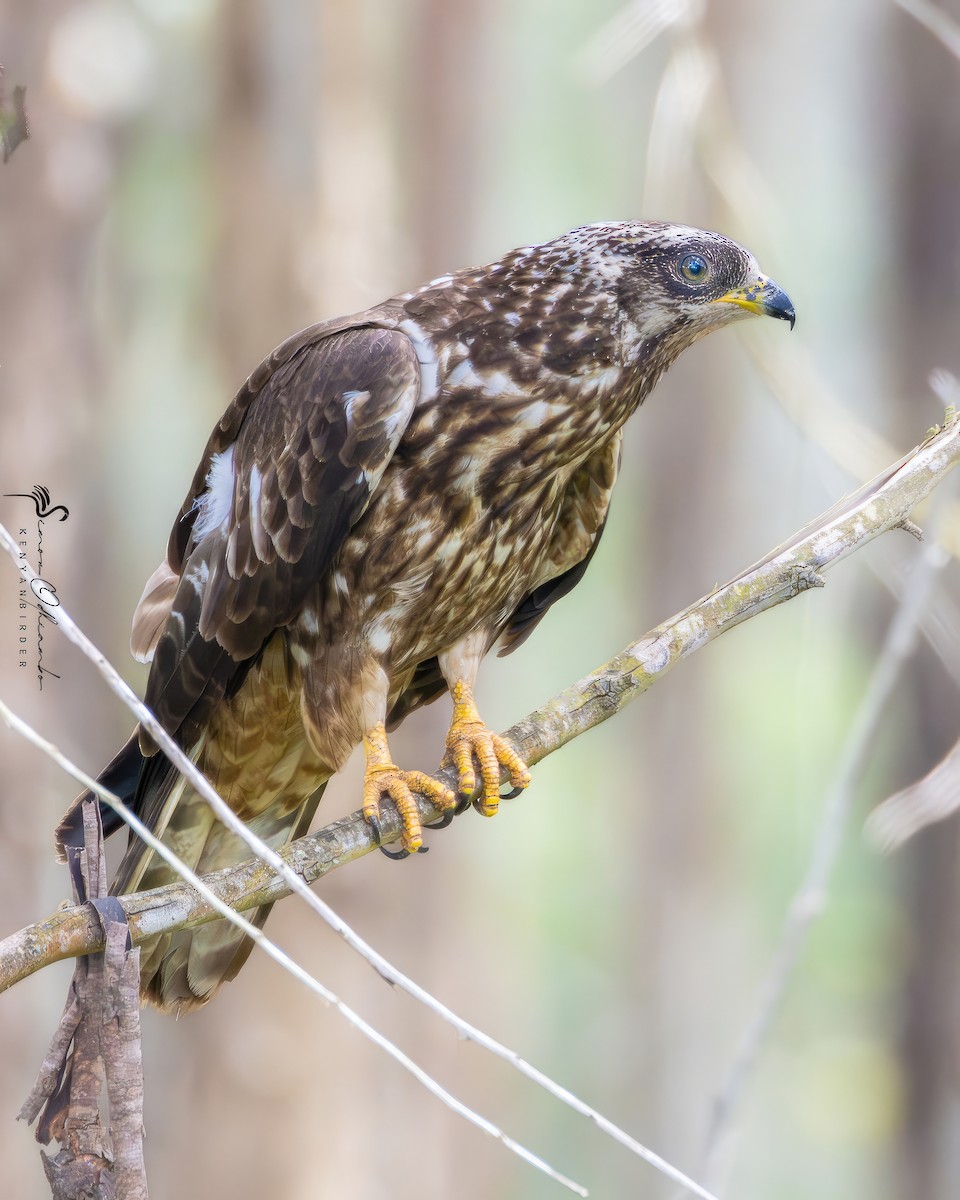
(384, 779)
(470, 739)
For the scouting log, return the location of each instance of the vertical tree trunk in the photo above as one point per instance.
(926, 98)
(52, 198)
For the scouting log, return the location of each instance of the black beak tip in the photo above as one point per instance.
(778, 304)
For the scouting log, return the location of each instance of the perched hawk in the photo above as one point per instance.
(390, 496)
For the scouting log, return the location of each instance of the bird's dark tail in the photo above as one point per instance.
(183, 969)
(120, 776)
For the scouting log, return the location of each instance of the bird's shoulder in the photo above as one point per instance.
(302, 382)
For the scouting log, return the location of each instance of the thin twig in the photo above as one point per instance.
(935, 797)
(625, 35)
(277, 868)
(810, 899)
(935, 21)
(278, 955)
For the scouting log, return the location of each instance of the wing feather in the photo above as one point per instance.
(305, 458)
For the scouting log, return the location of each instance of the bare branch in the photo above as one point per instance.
(220, 908)
(810, 899)
(625, 35)
(193, 891)
(933, 798)
(936, 21)
(291, 877)
(882, 504)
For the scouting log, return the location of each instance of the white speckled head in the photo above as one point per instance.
(668, 273)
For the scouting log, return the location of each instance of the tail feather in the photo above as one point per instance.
(159, 804)
(183, 970)
(121, 777)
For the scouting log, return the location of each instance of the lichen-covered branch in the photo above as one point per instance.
(800, 563)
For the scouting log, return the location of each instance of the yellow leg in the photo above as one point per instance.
(382, 778)
(470, 739)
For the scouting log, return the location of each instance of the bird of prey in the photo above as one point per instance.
(390, 496)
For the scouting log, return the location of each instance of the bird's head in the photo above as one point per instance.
(626, 294)
(677, 283)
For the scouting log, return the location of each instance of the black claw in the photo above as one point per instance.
(396, 855)
(374, 823)
(512, 794)
(463, 803)
(444, 821)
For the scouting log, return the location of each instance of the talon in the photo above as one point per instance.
(445, 820)
(384, 779)
(470, 741)
(396, 855)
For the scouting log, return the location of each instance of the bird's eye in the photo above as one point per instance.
(694, 268)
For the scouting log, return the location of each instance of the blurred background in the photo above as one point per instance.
(204, 178)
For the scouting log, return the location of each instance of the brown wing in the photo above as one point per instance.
(287, 472)
(574, 541)
(156, 602)
(318, 421)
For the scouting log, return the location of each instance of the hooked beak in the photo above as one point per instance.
(763, 297)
